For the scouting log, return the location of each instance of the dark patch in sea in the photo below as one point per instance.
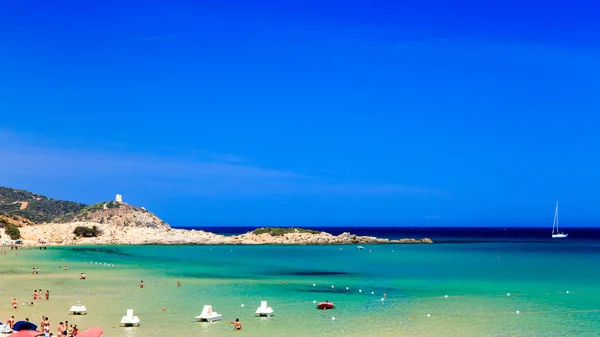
(107, 250)
(312, 273)
(202, 275)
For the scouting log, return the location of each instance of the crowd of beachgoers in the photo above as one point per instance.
(62, 328)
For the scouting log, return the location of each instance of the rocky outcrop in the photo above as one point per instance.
(322, 238)
(116, 233)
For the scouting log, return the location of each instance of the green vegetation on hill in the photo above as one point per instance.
(87, 232)
(85, 211)
(275, 231)
(11, 230)
(39, 208)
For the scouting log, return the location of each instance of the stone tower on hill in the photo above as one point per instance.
(119, 198)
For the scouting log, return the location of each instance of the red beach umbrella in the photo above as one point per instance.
(91, 332)
(27, 333)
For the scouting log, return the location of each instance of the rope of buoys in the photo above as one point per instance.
(291, 303)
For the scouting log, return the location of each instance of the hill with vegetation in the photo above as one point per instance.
(38, 219)
(19, 206)
(116, 213)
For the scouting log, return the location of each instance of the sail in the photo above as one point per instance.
(555, 223)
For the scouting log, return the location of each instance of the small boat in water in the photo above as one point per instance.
(130, 320)
(325, 305)
(78, 309)
(360, 247)
(264, 310)
(556, 234)
(208, 315)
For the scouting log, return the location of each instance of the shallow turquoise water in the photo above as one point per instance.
(414, 278)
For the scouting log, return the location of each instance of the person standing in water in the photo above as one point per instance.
(15, 304)
(237, 325)
(141, 284)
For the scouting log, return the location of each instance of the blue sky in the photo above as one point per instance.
(307, 112)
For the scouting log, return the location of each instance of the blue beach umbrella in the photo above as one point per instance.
(24, 325)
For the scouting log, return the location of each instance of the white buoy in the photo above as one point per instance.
(518, 312)
(507, 294)
(445, 296)
(382, 299)
(360, 290)
(314, 285)
(567, 291)
(242, 305)
(332, 287)
(349, 289)
(428, 315)
(333, 318)
(314, 301)
(372, 293)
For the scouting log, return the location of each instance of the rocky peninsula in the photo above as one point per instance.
(118, 223)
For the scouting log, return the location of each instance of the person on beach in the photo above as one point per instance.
(70, 330)
(66, 328)
(46, 326)
(237, 325)
(11, 322)
(60, 328)
(47, 295)
(42, 322)
(34, 294)
(75, 330)
(15, 304)
(141, 284)
(178, 284)
(32, 271)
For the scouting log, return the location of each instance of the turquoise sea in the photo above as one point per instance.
(553, 285)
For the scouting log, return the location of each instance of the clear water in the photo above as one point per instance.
(476, 277)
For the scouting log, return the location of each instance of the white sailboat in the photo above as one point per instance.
(556, 234)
